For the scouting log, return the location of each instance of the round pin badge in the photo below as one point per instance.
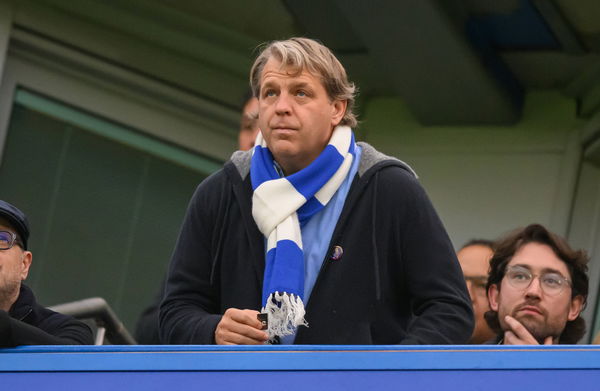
(337, 253)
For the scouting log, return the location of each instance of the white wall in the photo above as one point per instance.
(485, 181)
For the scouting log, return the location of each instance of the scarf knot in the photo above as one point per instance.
(280, 205)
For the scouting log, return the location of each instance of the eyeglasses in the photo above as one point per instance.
(8, 239)
(477, 282)
(552, 283)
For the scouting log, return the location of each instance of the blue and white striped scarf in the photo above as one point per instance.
(280, 206)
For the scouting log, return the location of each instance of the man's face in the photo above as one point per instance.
(541, 314)
(474, 261)
(248, 125)
(14, 267)
(296, 116)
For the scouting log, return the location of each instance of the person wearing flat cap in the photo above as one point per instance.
(22, 320)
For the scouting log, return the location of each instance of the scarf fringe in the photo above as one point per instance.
(286, 313)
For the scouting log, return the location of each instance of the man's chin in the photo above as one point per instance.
(529, 320)
(535, 327)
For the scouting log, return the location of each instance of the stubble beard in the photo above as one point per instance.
(538, 328)
(9, 290)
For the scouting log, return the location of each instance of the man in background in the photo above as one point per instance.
(537, 288)
(248, 124)
(22, 320)
(474, 258)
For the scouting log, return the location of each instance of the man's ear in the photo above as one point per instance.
(493, 297)
(575, 307)
(338, 111)
(26, 263)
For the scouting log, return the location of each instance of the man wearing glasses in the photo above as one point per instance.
(537, 288)
(474, 258)
(22, 320)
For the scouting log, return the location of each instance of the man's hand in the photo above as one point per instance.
(240, 327)
(519, 335)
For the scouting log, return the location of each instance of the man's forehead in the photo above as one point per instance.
(539, 265)
(475, 259)
(536, 268)
(303, 78)
(274, 68)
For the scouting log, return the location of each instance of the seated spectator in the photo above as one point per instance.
(474, 258)
(537, 288)
(22, 320)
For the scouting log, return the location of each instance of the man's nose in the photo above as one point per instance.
(283, 104)
(534, 289)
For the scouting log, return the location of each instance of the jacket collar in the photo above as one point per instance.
(24, 304)
(370, 158)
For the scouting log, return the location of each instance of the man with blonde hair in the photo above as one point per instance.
(312, 238)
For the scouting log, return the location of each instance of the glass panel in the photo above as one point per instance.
(104, 212)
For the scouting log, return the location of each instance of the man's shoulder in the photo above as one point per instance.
(372, 160)
(24, 304)
(28, 310)
(241, 160)
(234, 171)
(224, 177)
(219, 188)
(391, 180)
(389, 172)
(55, 328)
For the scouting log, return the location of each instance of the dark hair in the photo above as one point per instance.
(575, 260)
(479, 242)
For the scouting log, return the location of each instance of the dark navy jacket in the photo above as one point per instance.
(397, 282)
(28, 323)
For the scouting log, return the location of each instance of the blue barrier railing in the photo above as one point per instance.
(486, 367)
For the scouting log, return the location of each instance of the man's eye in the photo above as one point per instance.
(301, 93)
(268, 93)
(520, 276)
(552, 280)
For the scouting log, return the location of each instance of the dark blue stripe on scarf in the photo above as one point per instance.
(262, 167)
(311, 207)
(283, 278)
(310, 180)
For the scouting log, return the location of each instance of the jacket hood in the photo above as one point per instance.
(371, 161)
